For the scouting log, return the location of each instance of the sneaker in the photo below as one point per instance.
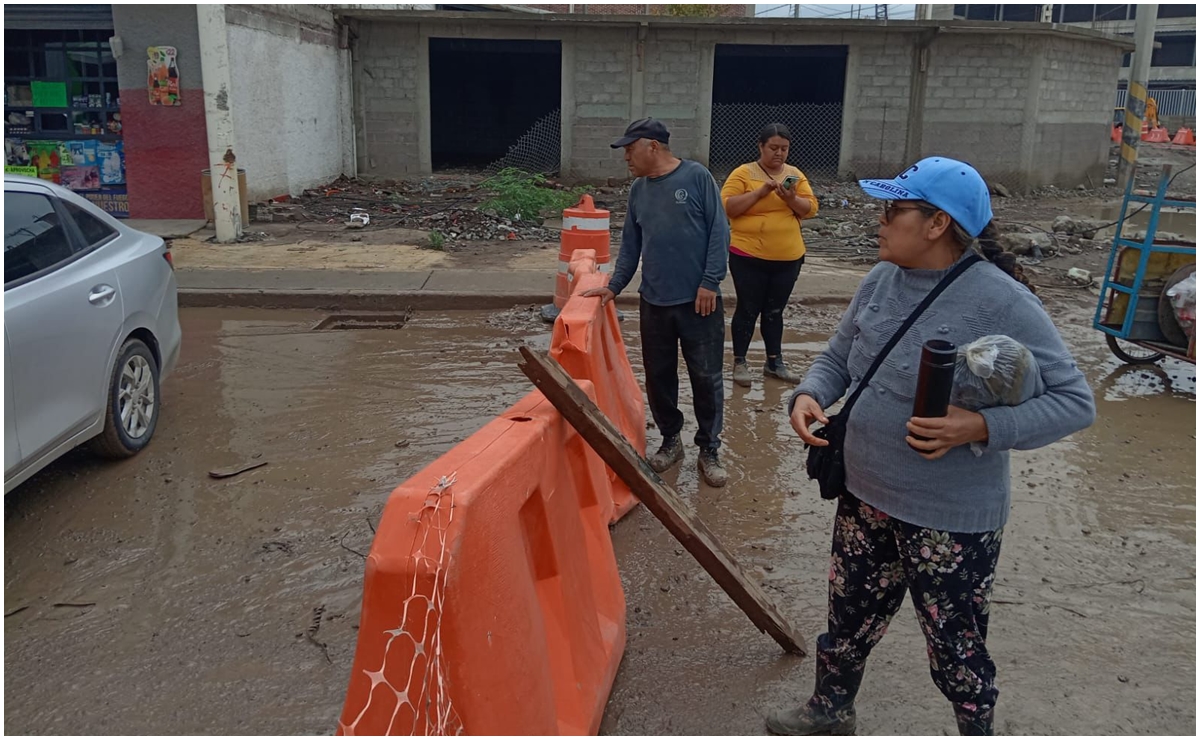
(780, 371)
(803, 720)
(711, 469)
(741, 373)
(668, 454)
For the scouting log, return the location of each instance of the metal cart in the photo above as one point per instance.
(1134, 311)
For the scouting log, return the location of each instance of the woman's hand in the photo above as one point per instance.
(806, 411)
(768, 187)
(957, 427)
(789, 196)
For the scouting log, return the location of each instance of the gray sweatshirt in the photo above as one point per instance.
(958, 492)
(676, 224)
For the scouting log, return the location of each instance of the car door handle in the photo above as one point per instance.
(101, 294)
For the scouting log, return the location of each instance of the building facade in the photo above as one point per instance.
(1172, 80)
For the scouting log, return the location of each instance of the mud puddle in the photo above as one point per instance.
(197, 593)
(202, 591)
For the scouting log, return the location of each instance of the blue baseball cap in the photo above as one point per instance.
(954, 187)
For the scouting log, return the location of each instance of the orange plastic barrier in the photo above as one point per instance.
(1157, 135)
(1184, 137)
(587, 342)
(492, 603)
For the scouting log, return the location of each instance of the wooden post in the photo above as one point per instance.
(662, 500)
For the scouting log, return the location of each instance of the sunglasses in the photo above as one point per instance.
(890, 209)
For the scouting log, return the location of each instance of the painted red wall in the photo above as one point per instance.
(165, 151)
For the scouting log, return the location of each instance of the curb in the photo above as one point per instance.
(423, 300)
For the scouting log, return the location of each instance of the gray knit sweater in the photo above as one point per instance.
(959, 492)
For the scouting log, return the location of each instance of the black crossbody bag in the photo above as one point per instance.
(825, 464)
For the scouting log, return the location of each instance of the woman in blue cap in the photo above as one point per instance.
(923, 513)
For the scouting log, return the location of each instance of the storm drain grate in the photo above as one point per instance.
(358, 321)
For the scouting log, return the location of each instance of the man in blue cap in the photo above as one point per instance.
(675, 224)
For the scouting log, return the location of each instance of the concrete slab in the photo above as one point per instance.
(167, 228)
(324, 281)
(479, 281)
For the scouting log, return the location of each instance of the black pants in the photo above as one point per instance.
(666, 330)
(763, 288)
(874, 561)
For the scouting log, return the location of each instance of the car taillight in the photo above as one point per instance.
(167, 257)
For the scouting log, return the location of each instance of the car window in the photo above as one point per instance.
(34, 238)
(94, 230)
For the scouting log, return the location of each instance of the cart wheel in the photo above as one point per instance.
(1132, 353)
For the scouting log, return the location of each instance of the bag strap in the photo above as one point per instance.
(959, 269)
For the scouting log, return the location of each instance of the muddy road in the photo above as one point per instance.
(146, 597)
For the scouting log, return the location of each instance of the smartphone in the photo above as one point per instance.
(790, 181)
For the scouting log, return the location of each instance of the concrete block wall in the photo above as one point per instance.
(386, 91)
(979, 97)
(975, 102)
(1072, 142)
(877, 105)
(673, 87)
(290, 97)
(604, 63)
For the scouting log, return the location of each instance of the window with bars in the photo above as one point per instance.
(60, 85)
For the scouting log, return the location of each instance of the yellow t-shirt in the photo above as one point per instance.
(769, 230)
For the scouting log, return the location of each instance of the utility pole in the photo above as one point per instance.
(1135, 97)
(795, 10)
(218, 117)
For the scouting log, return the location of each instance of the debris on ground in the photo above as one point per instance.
(237, 470)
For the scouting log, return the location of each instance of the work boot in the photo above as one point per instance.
(741, 372)
(830, 709)
(777, 368)
(711, 468)
(811, 719)
(669, 453)
(973, 720)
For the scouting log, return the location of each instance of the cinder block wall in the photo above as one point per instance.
(1027, 109)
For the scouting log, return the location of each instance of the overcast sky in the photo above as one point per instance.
(899, 12)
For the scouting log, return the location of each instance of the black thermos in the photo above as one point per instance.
(935, 380)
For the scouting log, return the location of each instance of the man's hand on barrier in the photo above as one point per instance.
(706, 301)
(605, 295)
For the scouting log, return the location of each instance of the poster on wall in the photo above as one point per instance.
(110, 157)
(81, 178)
(113, 201)
(16, 154)
(44, 155)
(163, 79)
(10, 169)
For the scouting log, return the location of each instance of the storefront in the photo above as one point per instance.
(62, 106)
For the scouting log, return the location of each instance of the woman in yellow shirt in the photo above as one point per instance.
(765, 201)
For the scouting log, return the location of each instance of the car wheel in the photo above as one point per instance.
(133, 403)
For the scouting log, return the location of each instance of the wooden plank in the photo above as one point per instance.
(659, 497)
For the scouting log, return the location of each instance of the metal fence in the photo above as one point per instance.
(816, 135)
(538, 150)
(1170, 102)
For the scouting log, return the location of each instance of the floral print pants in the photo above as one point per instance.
(874, 561)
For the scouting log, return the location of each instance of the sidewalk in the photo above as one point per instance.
(440, 289)
(386, 271)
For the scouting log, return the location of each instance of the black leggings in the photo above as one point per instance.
(763, 288)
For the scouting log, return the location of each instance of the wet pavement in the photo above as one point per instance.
(146, 597)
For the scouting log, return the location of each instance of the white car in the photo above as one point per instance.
(91, 327)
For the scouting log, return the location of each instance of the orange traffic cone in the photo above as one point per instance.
(1184, 137)
(1157, 135)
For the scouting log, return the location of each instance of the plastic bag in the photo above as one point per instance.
(1183, 299)
(995, 370)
